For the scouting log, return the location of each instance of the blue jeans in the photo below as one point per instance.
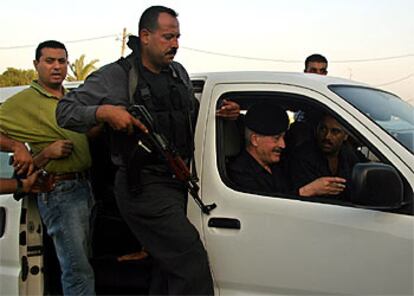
(66, 212)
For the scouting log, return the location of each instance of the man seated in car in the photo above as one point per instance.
(329, 155)
(258, 167)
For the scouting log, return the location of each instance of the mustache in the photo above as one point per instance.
(172, 51)
(277, 150)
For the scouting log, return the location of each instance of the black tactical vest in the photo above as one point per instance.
(171, 105)
(174, 108)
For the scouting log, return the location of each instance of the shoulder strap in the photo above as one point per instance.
(179, 72)
(129, 65)
(131, 68)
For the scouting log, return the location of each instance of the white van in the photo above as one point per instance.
(258, 243)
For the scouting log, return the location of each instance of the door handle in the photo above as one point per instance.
(230, 223)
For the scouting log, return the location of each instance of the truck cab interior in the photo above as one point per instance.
(231, 141)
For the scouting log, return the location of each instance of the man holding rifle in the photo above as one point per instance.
(150, 197)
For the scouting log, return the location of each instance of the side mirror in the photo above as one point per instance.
(376, 186)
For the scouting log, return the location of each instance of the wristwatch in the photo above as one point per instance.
(19, 187)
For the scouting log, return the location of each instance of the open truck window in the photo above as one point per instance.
(304, 115)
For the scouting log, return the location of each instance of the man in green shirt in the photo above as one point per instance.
(29, 116)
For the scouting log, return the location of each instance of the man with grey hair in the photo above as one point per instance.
(258, 167)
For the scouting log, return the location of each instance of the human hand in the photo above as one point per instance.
(119, 118)
(22, 159)
(323, 186)
(133, 256)
(39, 181)
(58, 149)
(95, 131)
(28, 183)
(229, 110)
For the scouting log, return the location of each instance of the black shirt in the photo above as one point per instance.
(308, 164)
(247, 173)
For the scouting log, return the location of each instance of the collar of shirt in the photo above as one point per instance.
(256, 166)
(35, 84)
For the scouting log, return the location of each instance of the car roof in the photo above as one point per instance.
(308, 80)
(8, 91)
(312, 81)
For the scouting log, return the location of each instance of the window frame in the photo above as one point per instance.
(296, 100)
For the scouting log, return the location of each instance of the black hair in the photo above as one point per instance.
(149, 18)
(49, 44)
(318, 58)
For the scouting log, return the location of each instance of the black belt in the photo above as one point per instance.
(70, 176)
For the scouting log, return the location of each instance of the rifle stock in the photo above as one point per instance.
(171, 157)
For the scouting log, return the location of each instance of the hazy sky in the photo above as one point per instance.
(283, 31)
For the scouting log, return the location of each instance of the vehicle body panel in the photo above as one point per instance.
(290, 246)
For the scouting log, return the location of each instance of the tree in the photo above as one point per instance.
(13, 77)
(80, 70)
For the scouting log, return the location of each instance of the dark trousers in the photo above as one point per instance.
(156, 214)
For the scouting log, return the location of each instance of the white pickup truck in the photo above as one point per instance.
(265, 244)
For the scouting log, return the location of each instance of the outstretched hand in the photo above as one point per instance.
(229, 110)
(323, 186)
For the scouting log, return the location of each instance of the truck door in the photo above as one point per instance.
(21, 245)
(9, 235)
(281, 244)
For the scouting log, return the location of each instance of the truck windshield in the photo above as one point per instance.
(387, 110)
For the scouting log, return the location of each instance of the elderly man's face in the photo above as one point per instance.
(330, 135)
(268, 148)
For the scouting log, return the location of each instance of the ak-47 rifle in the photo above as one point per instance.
(171, 156)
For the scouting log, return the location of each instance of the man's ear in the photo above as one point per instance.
(144, 36)
(253, 140)
(35, 63)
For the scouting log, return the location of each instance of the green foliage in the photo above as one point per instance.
(80, 70)
(13, 77)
